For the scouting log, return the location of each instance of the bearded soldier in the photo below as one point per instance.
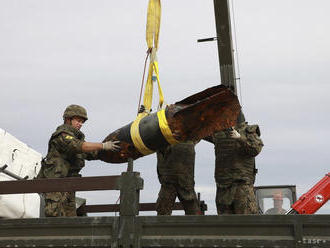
(175, 168)
(235, 152)
(67, 151)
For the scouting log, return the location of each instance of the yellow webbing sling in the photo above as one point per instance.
(152, 36)
(164, 128)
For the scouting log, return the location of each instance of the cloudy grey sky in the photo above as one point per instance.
(91, 52)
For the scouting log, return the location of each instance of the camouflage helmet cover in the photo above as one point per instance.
(75, 110)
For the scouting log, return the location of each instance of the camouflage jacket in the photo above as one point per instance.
(175, 164)
(65, 157)
(235, 158)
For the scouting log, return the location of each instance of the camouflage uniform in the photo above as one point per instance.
(175, 168)
(235, 169)
(64, 159)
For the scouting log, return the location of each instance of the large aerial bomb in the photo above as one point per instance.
(193, 118)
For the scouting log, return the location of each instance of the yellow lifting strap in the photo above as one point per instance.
(164, 128)
(136, 137)
(152, 37)
(153, 23)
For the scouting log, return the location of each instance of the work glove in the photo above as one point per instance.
(234, 134)
(111, 146)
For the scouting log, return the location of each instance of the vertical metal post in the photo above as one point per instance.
(202, 205)
(225, 44)
(130, 165)
(130, 184)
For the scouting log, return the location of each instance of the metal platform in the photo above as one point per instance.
(308, 231)
(130, 230)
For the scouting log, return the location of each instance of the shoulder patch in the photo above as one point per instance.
(68, 137)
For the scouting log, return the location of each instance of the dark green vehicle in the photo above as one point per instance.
(131, 230)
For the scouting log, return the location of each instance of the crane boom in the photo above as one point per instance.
(315, 198)
(225, 44)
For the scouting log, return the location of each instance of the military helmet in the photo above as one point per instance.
(75, 110)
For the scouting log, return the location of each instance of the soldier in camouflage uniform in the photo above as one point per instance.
(235, 171)
(67, 151)
(278, 205)
(175, 168)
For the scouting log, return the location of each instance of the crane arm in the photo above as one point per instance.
(315, 198)
(225, 44)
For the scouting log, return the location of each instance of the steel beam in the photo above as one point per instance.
(225, 44)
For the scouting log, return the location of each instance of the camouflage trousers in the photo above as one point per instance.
(60, 204)
(236, 199)
(186, 195)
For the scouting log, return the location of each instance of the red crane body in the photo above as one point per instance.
(315, 198)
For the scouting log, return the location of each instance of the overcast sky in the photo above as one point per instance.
(91, 52)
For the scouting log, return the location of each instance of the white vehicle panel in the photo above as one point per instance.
(23, 161)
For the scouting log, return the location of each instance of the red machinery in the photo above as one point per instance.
(315, 198)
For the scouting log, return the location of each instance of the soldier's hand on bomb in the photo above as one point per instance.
(234, 134)
(111, 146)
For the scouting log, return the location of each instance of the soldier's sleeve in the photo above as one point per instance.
(209, 139)
(253, 144)
(69, 144)
(92, 155)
